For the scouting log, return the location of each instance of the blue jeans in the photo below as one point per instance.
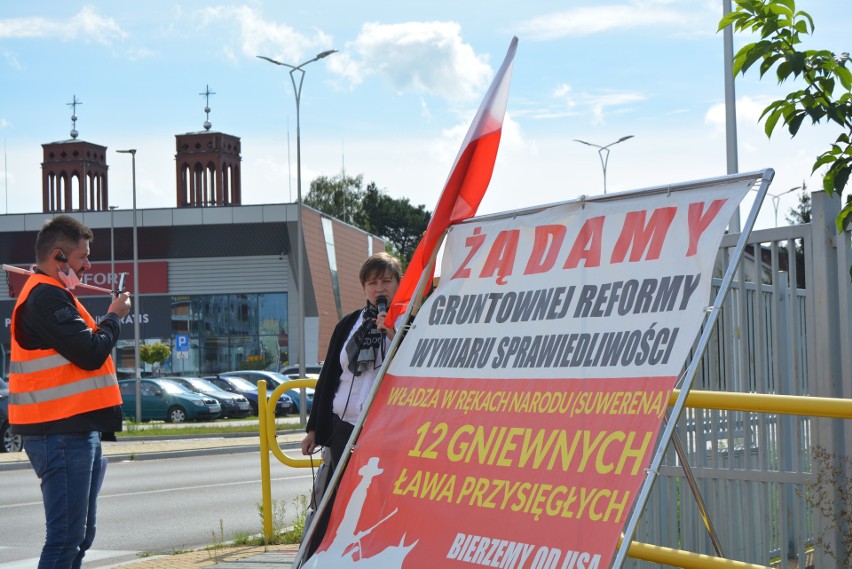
(69, 467)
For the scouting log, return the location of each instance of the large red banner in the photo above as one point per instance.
(519, 414)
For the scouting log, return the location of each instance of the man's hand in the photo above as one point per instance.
(308, 443)
(121, 305)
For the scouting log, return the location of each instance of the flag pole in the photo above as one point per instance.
(333, 482)
(465, 187)
(468, 179)
(20, 271)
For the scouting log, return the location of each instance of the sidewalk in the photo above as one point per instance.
(145, 448)
(225, 557)
(273, 556)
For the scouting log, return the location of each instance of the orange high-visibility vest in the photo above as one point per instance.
(44, 386)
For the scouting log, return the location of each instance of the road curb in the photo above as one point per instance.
(144, 454)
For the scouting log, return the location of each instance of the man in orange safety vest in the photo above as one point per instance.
(63, 392)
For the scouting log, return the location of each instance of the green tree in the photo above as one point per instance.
(338, 196)
(827, 92)
(797, 216)
(802, 212)
(395, 220)
(154, 354)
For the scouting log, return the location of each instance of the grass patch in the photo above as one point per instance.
(218, 540)
(242, 539)
(294, 535)
(281, 533)
(180, 551)
(132, 429)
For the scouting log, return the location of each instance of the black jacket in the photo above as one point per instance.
(49, 319)
(329, 380)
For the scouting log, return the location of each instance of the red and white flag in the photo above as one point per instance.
(468, 180)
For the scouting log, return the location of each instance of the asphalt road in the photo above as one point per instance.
(153, 506)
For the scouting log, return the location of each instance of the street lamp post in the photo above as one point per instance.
(601, 149)
(300, 273)
(112, 257)
(777, 198)
(730, 109)
(136, 298)
(112, 244)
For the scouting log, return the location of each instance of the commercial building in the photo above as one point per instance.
(217, 279)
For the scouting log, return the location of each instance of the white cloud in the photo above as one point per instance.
(85, 24)
(600, 104)
(444, 149)
(425, 112)
(350, 71)
(748, 111)
(562, 90)
(137, 53)
(512, 136)
(584, 21)
(11, 58)
(259, 36)
(229, 54)
(595, 105)
(416, 57)
(96, 27)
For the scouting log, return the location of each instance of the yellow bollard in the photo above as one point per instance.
(276, 450)
(268, 442)
(265, 477)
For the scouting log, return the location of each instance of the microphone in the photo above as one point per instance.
(382, 303)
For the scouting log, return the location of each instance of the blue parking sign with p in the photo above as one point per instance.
(182, 343)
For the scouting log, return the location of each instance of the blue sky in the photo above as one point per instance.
(395, 102)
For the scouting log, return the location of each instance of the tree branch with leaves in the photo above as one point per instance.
(827, 92)
(154, 354)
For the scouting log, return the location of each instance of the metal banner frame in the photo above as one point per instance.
(765, 178)
(761, 177)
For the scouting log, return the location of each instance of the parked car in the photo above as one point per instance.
(273, 380)
(249, 391)
(166, 400)
(311, 371)
(8, 441)
(233, 405)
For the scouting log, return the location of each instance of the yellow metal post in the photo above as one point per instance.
(265, 478)
(270, 425)
(269, 443)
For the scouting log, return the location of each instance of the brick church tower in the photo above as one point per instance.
(74, 173)
(208, 166)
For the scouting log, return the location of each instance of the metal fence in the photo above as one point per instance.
(784, 329)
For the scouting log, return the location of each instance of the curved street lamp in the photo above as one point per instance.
(601, 149)
(300, 272)
(777, 198)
